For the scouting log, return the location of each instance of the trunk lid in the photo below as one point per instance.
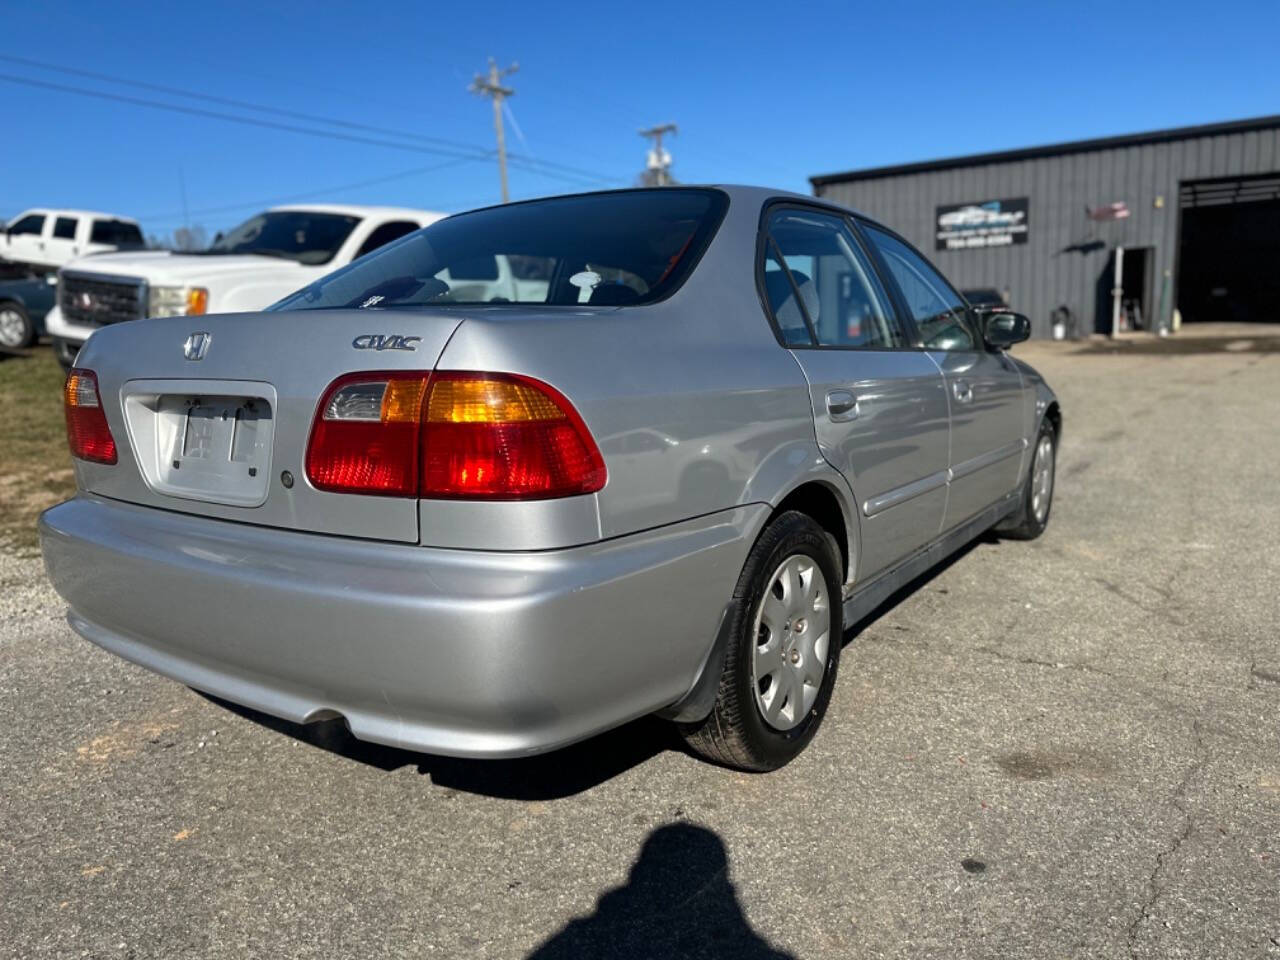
(216, 436)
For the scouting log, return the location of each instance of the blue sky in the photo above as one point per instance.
(763, 92)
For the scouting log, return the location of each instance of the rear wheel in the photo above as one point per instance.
(783, 650)
(16, 329)
(1037, 493)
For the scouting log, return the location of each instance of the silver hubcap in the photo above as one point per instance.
(12, 328)
(792, 636)
(1042, 480)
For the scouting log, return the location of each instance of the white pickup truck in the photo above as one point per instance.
(251, 267)
(44, 239)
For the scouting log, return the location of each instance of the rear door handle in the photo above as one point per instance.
(842, 405)
(963, 391)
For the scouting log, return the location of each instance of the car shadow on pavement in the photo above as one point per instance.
(551, 776)
(678, 901)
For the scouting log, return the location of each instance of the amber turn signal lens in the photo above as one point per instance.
(485, 400)
(197, 301)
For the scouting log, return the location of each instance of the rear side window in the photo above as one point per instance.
(384, 234)
(32, 223)
(939, 313)
(116, 233)
(613, 249)
(816, 275)
(64, 228)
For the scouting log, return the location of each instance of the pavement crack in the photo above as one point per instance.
(1035, 662)
(1155, 611)
(1257, 673)
(1178, 799)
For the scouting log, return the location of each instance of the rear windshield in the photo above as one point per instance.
(117, 233)
(610, 249)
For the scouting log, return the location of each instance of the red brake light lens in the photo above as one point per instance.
(87, 432)
(497, 436)
(451, 435)
(366, 434)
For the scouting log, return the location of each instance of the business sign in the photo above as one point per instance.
(991, 223)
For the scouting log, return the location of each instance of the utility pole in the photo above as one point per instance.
(658, 163)
(491, 87)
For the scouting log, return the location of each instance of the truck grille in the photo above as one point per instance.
(95, 299)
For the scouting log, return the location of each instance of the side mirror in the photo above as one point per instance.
(1002, 330)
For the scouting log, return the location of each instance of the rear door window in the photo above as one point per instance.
(64, 228)
(384, 234)
(115, 233)
(613, 249)
(816, 273)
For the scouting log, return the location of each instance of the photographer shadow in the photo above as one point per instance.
(677, 902)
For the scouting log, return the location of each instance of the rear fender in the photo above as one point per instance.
(792, 466)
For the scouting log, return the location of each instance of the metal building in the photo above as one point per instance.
(1189, 218)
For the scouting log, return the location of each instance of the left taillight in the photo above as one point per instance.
(366, 434)
(87, 431)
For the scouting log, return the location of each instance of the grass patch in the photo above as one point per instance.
(35, 466)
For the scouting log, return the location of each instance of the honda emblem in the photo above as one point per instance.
(197, 346)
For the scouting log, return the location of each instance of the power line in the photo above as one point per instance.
(229, 102)
(447, 147)
(231, 118)
(311, 194)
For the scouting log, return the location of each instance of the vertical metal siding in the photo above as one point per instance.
(1042, 273)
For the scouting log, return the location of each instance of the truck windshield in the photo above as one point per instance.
(310, 238)
(610, 249)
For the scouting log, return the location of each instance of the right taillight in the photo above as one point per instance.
(454, 435)
(493, 436)
(87, 432)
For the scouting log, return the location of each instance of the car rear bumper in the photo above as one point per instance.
(446, 651)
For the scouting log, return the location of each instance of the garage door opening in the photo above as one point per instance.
(1226, 253)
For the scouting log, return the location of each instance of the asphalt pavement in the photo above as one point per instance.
(1065, 748)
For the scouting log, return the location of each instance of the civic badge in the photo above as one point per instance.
(388, 341)
(197, 346)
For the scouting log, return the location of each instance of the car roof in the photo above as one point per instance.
(66, 212)
(738, 192)
(355, 210)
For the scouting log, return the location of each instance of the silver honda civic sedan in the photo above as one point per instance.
(539, 469)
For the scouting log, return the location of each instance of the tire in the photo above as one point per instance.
(66, 352)
(737, 733)
(16, 329)
(1037, 489)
